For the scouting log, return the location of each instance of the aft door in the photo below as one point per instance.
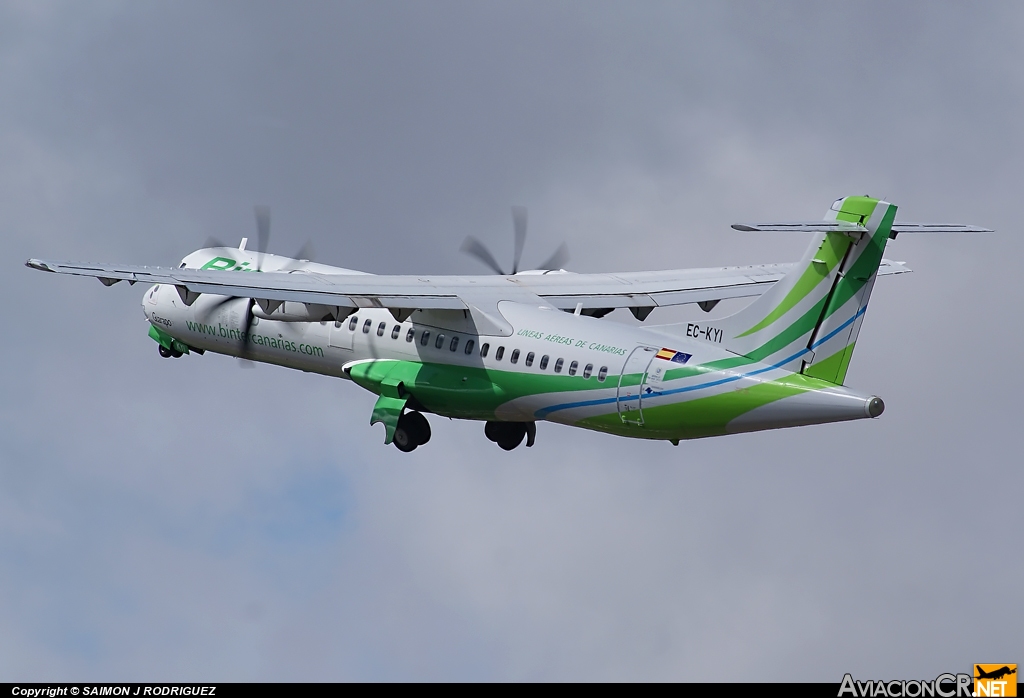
(631, 384)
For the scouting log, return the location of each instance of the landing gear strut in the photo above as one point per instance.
(508, 435)
(413, 430)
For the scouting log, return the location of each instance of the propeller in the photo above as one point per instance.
(262, 234)
(558, 259)
(262, 241)
(305, 254)
(519, 219)
(474, 248)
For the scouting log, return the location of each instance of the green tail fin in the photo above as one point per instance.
(809, 321)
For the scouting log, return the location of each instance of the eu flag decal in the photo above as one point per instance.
(674, 356)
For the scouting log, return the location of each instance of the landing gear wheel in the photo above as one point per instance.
(508, 435)
(175, 353)
(513, 440)
(412, 430)
(418, 426)
(403, 440)
(164, 351)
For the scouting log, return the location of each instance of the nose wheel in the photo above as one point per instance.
(168, 353)
(508, 435)
(413, 430)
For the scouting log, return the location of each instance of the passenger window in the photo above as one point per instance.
(395, 331)
(572, 368)
(543, 362)
(483, 349)
(587, 370)
(500, 353)
(469, 346)
(439, 342)
(380, 329)
(558, 365)
(366, 326)
(352, 323)
(455, 344)
(515, 356)
(602, 374)
(529, 359)
(409, 335)
(424, 338)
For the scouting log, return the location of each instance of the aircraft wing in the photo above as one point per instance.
(564, 290)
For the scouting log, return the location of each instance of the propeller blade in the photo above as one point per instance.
(216, 306)
(246, 326)
(246, 363)
(213, 242)
(475, 248)
(558, 259)
(305, 254)
(262, 233)
(519, 219)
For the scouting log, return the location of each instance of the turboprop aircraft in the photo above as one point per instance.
(511, 349)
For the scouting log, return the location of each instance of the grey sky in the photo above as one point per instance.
(189, 520)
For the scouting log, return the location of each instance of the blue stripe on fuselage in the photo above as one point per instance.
(545, 411)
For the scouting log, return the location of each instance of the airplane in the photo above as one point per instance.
(512, 349)
(995, 674)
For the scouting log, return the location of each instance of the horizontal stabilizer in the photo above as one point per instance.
(801, 227)
(846, 227)
(899, 227)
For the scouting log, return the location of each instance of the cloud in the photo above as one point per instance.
(186, 520)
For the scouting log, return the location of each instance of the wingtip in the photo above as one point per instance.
(37, 264)
(744, 228)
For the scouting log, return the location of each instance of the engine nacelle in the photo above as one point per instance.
(291, 311)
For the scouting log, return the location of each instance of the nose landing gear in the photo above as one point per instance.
(508, 435)
(413, 430)
(168, 353)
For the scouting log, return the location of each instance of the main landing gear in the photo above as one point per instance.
(413, 430)
(168, 353)
(509, 435)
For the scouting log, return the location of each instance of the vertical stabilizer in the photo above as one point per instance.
(809, 321)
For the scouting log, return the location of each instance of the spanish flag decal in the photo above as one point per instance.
(674, 356)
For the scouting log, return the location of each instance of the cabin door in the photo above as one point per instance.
(632, 382)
